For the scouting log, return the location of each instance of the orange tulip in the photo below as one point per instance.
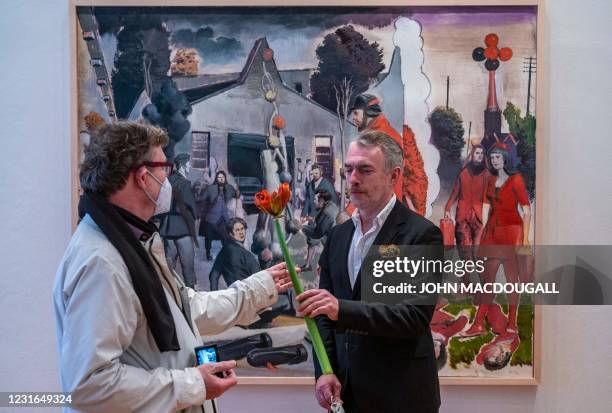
(285, 193)
(263, 200)
(275, 203)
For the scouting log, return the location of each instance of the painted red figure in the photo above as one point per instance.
(497, 354)
(444, 326)
(505, 229)
(469, 194)
(380, 123)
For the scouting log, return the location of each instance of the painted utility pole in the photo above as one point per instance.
(529, 66)
(447, 89)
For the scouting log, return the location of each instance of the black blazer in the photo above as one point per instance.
(382, 354)
(180, 220)
(234, 263)
(309, 206)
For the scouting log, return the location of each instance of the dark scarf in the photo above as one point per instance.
(113, 221)
(476, 169)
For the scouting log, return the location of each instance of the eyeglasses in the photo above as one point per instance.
(168, 166)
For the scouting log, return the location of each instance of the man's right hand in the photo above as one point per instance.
(215, 385)
(328, 386)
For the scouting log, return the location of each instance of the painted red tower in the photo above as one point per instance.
(492, 114)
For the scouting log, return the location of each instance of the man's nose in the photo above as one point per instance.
(353, 177)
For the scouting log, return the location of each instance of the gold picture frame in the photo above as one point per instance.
(542, 141)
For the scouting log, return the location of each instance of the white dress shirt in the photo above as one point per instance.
(361, 242)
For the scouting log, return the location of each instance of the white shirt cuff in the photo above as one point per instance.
(189, 388)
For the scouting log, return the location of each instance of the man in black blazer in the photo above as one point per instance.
(318, 182)
(382, 355)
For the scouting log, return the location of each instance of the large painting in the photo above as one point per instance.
(252, 97)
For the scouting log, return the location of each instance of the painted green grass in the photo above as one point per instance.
(523, 356)
(464, 352)
(455, 308)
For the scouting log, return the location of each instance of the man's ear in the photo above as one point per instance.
(395, 174)
(140, 177)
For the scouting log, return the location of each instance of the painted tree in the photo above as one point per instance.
(169, 107)
(348, 63)
(128, 74)
(523, 128)
(343, 98)
(93, 121)
(127, 77)
(142, 62)
(447, 136)
(344, 55)
(185, 62)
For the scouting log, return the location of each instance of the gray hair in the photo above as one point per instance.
(114, 151)
(391, 150)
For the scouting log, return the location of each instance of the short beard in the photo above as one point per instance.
(476, 168)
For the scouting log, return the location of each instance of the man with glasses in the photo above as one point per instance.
(126, 324)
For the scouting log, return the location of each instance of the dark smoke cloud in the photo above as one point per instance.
(295, 18)
(220, 49)
(291, 18)
(110, 19)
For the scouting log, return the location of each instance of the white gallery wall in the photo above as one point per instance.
(576, 198)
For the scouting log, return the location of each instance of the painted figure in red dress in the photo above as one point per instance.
(505, 229)
(469, 195)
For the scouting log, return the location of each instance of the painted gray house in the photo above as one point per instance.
(230, 119)
(297, 79)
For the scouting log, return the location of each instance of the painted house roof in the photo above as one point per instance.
(217, 84)
(196, 88)
(198, 81)
(201, 87)
(202, 93)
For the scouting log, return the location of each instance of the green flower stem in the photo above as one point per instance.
(317, 343)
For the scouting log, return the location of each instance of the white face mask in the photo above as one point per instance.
(164, 199)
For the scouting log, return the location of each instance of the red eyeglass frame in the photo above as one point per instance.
(152, 164)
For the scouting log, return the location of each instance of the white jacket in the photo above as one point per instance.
(109, 360)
